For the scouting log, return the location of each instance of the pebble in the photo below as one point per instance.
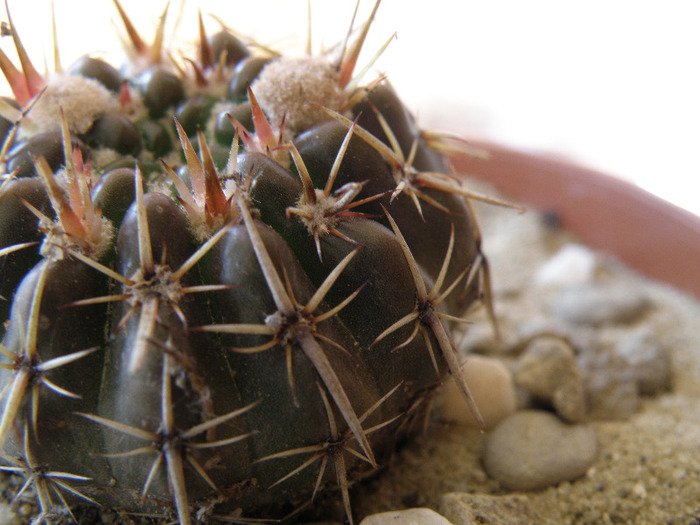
(417, 516)
(7, 515)
(462, 508)
(612, 396)
(573, 264)
(491, 385)
(639, 491)
(548, 370)
(534, 449)
(600, 303)
(647, 358)
(623, 368)
(611, 389)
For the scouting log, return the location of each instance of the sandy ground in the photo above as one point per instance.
(648, 466)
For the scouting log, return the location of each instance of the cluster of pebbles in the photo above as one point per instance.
(591, 397)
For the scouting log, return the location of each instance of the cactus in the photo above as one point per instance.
(221, 298)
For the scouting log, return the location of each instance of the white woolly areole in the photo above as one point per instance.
(82, 100)
(293, 87)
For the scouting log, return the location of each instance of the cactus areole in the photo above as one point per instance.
(228, 280)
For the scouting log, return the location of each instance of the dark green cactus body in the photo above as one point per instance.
(99, 70)
(238, 323)
(160, 89)
(130, 375)
(20, 227)
(62, 330)
(427, 230)
(244, 73)
(115, 132)
(48, 145)
(289, 394)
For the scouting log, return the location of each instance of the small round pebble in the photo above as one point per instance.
(491, 386)
(548, 370)
(533, 449)
(417, 516)
(600, 303)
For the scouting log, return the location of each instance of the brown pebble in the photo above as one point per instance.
(491, 386)
(548, 370)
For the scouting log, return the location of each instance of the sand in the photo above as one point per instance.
(648, 465)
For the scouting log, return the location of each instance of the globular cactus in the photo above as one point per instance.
(228, 281)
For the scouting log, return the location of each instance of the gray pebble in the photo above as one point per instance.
(533, 449)
(417, 516)
(611, 388)
(463, 508)
(612, 397)
(623, 367)
(600, 303)
(649, 360)
(548, 370)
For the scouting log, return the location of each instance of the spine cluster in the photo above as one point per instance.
(228, 282)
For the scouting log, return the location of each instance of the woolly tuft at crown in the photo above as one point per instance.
(228, 279)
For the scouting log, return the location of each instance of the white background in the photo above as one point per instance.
(612, 84)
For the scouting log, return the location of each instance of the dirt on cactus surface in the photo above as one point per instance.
(648, 464)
